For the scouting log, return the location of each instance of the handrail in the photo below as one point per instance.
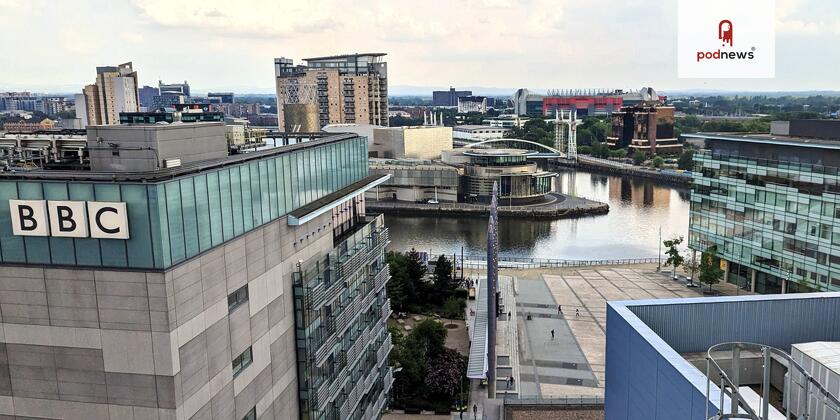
(811, 384)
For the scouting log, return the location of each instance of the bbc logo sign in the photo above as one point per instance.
(69, 219)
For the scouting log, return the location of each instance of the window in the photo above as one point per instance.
(251, 415)
(238, 297)
(242, 361)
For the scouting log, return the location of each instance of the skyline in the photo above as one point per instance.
(216, 47)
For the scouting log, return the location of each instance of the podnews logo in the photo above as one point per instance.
(725, 35)
(726, 39)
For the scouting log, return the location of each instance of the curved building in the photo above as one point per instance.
(520, 180)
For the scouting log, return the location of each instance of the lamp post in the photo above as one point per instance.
(659, 264)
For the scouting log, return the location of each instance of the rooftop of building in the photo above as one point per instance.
(169, 173)
(498, 152)
(341, 56)
(385, 163)
(470, 127)
(767, 138)
(667, 335)
(822, 134)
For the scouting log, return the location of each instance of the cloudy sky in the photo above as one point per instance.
(54, 45)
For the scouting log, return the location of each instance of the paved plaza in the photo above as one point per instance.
(572, 362)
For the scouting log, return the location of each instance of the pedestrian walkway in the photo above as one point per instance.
(507, 353)
(549, 366)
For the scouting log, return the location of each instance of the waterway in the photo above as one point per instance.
(638, 208)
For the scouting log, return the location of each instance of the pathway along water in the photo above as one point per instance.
(638, 207)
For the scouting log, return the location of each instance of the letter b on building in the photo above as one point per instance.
(29, 217)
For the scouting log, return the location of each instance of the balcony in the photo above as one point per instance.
(386, 309)
(380, 278)
(384, 350)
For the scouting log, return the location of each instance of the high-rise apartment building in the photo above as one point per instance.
(230, 287)
(115, 91)
(331, 90)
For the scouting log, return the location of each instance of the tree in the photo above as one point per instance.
(444, 375)
(686, 160)
(453, 308)
(710, 271)
(638, 157)
(401, 288)
(444, 283)
(429, 337)
(658, 162)
(416, 269)
(674, 257)
(690, 266)
(619, 153)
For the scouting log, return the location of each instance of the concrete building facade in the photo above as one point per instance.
(468, 104)
(414, 180)
(331, 90)
(413, 142)
(199, 300)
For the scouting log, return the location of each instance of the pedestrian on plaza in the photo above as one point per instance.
(552, 333)
(577, 312)
(512, 381)
(508, 315)
(475, 411)
(559, 309)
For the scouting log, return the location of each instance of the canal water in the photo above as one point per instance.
(638, 208)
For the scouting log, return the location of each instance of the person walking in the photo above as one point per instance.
(577, 312)
(475, 411)
(559, 309)
(509, 315)
(552, 333)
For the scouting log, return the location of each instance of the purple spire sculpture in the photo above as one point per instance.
(492, 282)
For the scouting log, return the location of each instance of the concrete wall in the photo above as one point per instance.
(100, 344)
(412, 142)
(190, 142)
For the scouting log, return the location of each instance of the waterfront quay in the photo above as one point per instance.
(606, 166)
(558, 206)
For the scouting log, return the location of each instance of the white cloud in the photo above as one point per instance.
(132, 37)
(256, 18)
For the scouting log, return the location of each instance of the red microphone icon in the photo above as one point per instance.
(725, 32)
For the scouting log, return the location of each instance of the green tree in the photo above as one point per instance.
(401, 289)
(690, 267)
(416, 269)
(657, 162)
(638, 157)
(453, 308)
(710, 271)
(444, 283)
(672, 251)
(619, 153)
(686, 160)
(428, 336)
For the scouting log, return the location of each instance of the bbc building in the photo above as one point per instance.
(213, 286)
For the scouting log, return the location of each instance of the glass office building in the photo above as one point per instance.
(769, 205)
(250, 286)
